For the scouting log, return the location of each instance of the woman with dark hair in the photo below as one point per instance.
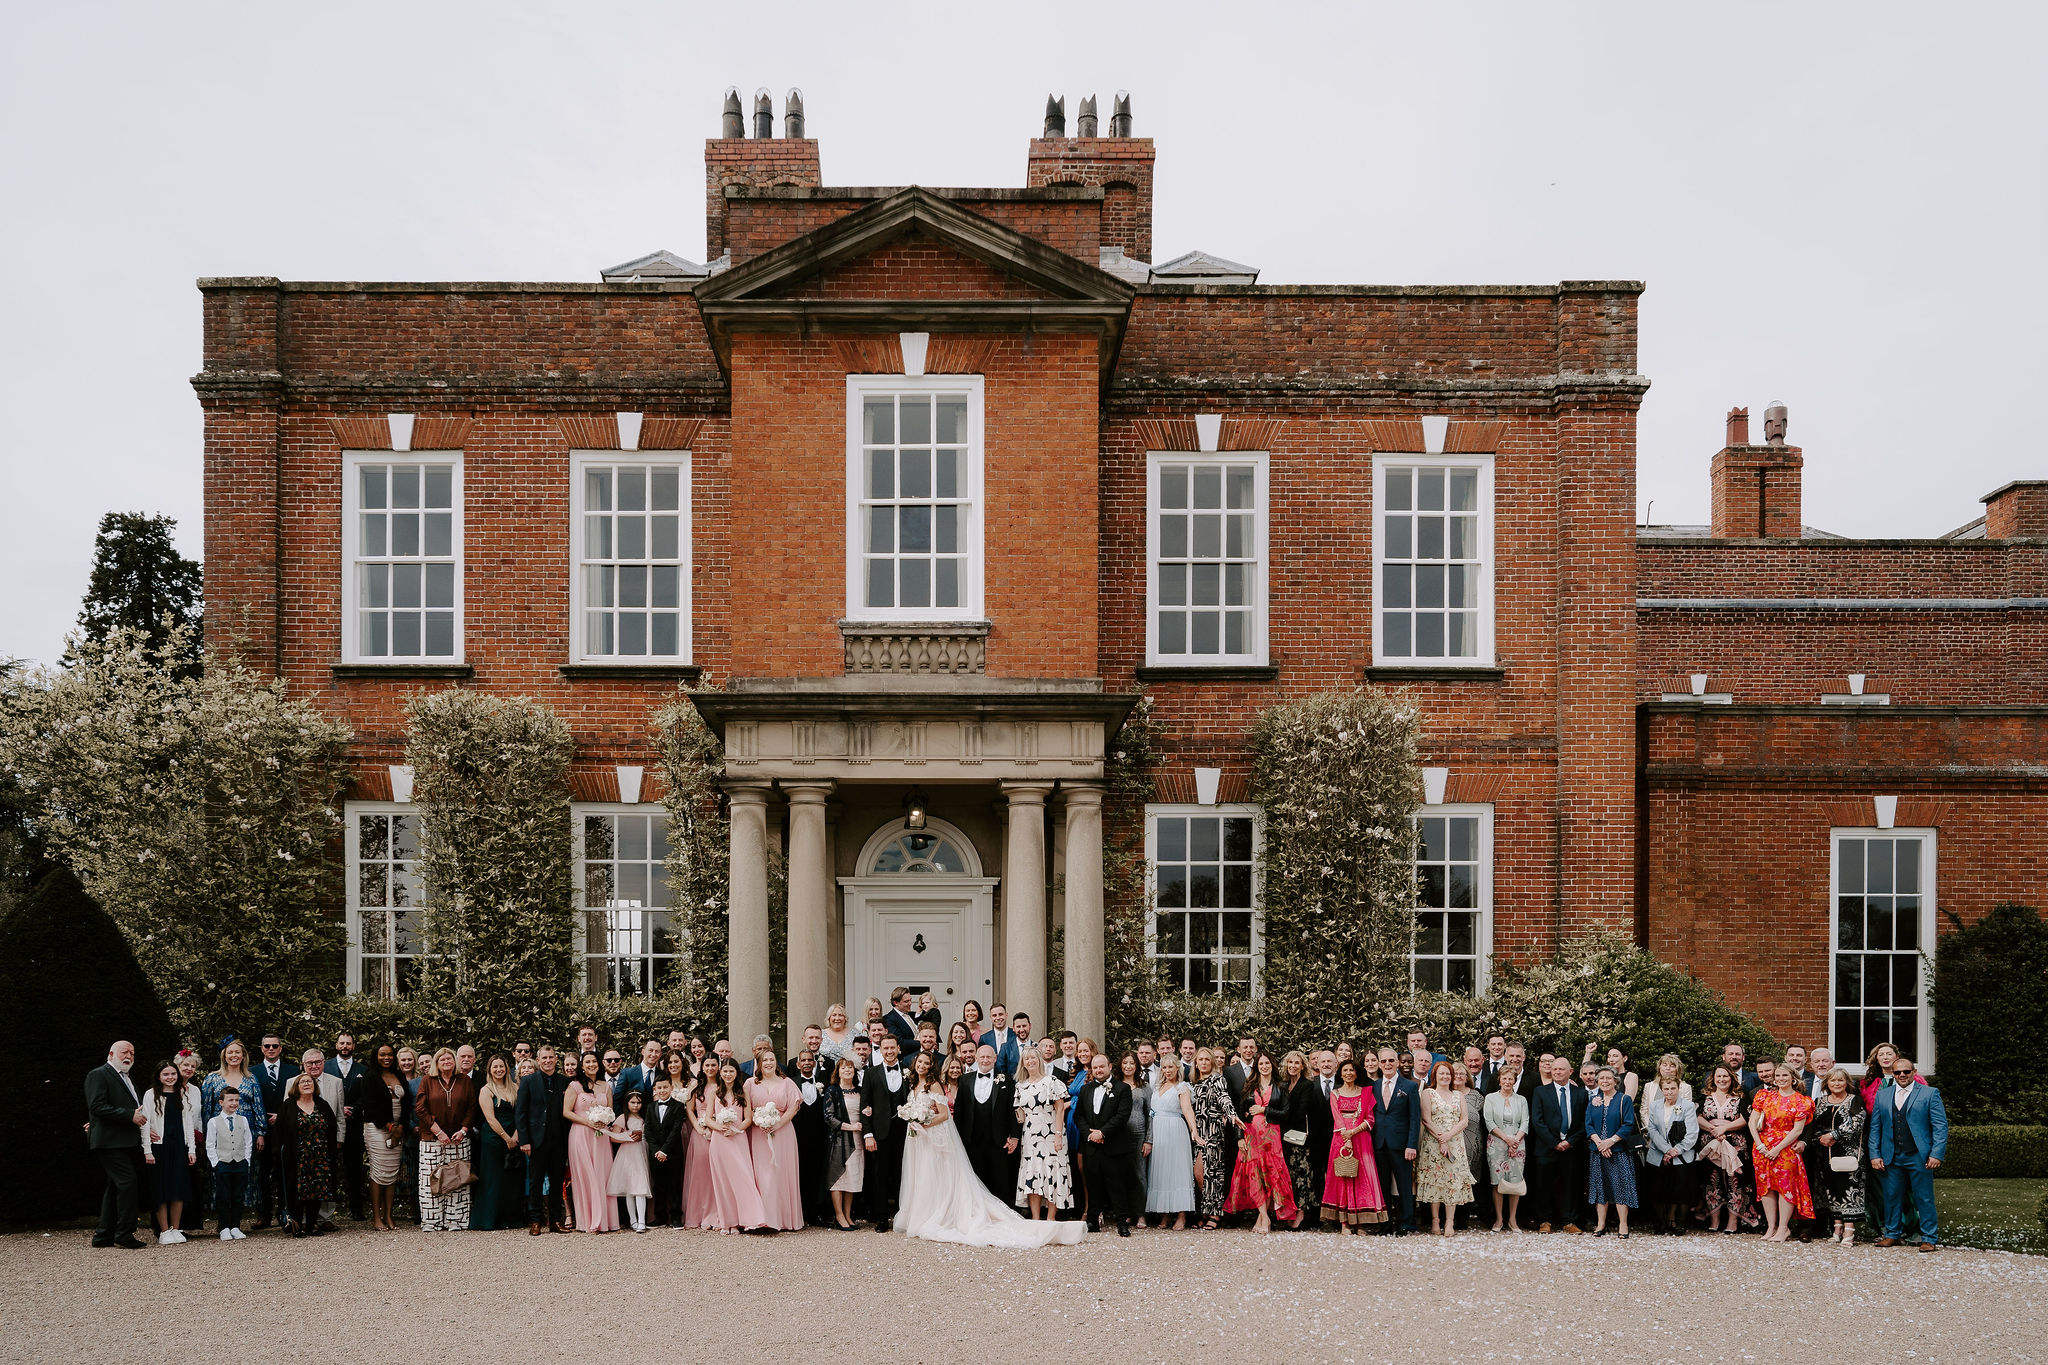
(1261, 1182)
(676, 1066)
(1443, 1177)
(387, 1116)
(735, 1198)
(170, 1147)
(697, 1197)
(1141, 1116)
(588, 1107)
(500, 1200)
(844, 1155)
(194, 1217)
(1353, 1199)
(958, 1037)
(970, 1015)
(310, 1134)
(1724, 1137)
(773, 1100)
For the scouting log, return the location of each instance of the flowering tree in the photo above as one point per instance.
(200, 811)
(1336, 776)
(491, 780)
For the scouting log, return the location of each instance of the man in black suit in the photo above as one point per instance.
(812, 1075)
(1557, 1124)
(1396, 1135)
(1322, 1123)
(665, 1155)
(886, 1087)
(273, 1074)
(114, 1133)
(544, 1138)
(1488, 1079)
(1241, 1068)
(347, 1069)
(987, 1115)
(1111, 1160)
(902, 1027)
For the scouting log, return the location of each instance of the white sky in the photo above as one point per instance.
(1837, 205)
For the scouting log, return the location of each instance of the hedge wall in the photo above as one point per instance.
(2001, 1151)
(1990, 1003)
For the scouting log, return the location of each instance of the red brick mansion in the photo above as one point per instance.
(934, 484)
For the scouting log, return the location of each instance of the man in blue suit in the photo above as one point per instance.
(1557, 1127)
(640, 1076)
(1009, 1050)
(273, 1074)
(1396, 1133)
(1908, 1141)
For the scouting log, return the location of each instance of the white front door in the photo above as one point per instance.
(934, 934)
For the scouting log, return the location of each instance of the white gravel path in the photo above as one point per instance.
(1224, 1297)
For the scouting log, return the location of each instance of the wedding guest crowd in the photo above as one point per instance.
(1169, 1134)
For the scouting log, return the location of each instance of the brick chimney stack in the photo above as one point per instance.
(758, 162)
(1120, 163)
(2019, 509)
(1756, 488)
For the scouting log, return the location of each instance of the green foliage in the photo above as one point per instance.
(2041, 1211)
(200, 811)
(1990, 1002)
(692, 761)
(1335, 774)
(1136, 998)
(2005, 1151)
(491, 780)
(141, 583)
(69, 988)
(622, 1021)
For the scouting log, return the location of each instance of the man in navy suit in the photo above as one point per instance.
(640, 1077)
(1557, 1122)
(1009, 1051)
(1908, 1143)
(1396, 1133)
(273, 1074)
(899, 1022)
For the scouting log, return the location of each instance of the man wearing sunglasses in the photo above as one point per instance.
(1908, 1139)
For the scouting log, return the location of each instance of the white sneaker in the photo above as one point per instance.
(227, 1234)
(168, 1237)
(240, 1236)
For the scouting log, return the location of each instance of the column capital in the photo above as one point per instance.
(747, 791)
(1081, 793)
(1026, 793)
(809, 793)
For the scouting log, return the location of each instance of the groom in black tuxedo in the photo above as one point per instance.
(885, 1087)
(1109, 1149)
(987, 1115)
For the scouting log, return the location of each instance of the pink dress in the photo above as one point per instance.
(775, 1160)
(735, 1202)
(590, 1164)
(697, 1201)
(1352, 1199)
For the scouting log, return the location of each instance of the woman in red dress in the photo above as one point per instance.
(1776, 1119)
(1261, 1181)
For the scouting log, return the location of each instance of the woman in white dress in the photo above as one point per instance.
(942, 1199)
(1170, 1176)
(1044, 1178)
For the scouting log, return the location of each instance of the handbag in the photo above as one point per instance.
(1295, 1137)
(1844, 1164)
(1345, 1164)
(451, 1177)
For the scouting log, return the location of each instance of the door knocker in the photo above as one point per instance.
(917, 945)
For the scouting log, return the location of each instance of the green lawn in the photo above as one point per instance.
(1998, 1215)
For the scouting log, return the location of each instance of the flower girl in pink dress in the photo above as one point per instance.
(630, 1179)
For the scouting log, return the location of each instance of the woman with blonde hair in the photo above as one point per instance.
(1289, 1113)
(838, 1035)
(1044, 1178)
(445, 1114)
(1210, 1098)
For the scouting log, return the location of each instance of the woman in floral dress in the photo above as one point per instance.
(1443, 1179)
(1352, 1200)
(1838, 1126)
(1507, 1146)
(1261, 1181)
(1213, 1119)
(1044, 1180)
(1724, 1136)
(1776, 1119)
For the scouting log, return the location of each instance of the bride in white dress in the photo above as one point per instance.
(942, 1199)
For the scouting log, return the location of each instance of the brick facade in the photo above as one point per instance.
(1702, 829)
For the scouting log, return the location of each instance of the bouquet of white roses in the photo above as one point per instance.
(728, 1118)
(601, 1115)
(767, 1115)
(918, 1110)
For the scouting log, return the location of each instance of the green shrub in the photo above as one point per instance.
(1990, 1001)
(692, 760)
(1996, 1151)
(620, 1021)
(2041, 1211)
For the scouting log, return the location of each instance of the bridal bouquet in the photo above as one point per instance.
(728, 1118)
(601, 1115)
(767, 1115)
(918, 1110)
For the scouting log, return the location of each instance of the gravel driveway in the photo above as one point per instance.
(1228, 1296)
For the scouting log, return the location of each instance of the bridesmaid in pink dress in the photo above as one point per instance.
(697, 1200)
(774, 1149)
(590, 1150)
(735, 1201)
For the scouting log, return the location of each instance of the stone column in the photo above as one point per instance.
(1086, 1014)
(746, 950)
(1024, 902)
(809, 931)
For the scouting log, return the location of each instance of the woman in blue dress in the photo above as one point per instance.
(1170, 1178)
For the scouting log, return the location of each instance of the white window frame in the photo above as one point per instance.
(352, 903)
(1484, 465)
(579, 461)
(1256, 598)
(1922, 1046)
(860, 387)
(1482, 934)
(1153, 811)
(581, 943)
(351, 554)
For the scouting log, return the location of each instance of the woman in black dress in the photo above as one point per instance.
(308, 1131)
(1289, 1113)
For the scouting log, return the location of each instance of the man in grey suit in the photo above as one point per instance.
(114, 1133)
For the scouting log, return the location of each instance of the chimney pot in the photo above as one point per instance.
(1120, 115)
(764, 114)
(793, 113)
(1087, 120)
(1738, 427)
(1055, 116)
(1774, 424)
(735, 122)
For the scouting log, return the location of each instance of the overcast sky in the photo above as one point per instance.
(1837, 205)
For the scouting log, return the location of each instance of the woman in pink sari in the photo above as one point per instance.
(1352, 1200)
(697, 1200)
(1261, 1181)
(590, 1149)
(735, 1201)
(774, 1142)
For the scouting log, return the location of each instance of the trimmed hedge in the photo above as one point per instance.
(1996, 1151)
(1990, 1004)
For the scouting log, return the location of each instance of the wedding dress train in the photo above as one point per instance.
(943, 1200)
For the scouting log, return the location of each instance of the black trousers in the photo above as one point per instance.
(352, 1171)
(882, 1178)
(1114, 1190)
(1397, 1185)
(1560, 1186)
(666, 1180)
(546, 1169)
(122, 1201)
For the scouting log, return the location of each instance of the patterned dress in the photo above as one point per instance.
(1785, 1174)
(1440, 1178)
(1261, 1176)
(1042, 1163)
(1846, 1120)
(1725, 1191)
(1212, 1126)
(1352, 1199)
(315, 1172)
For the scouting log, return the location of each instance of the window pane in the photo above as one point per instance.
(440, 481)
(1849, 922)
(373, 486)
(1173, 632)
(1208, 486)
(1237, 838)
(440, 585)
(1849, 865)
(665, 488)
(916, 470)
(946, 591)
(1173, 839)
(1394, 635)
(947, 481)
(405, 533)
(667, 634)
(1878, 868)
(917, 587)
(1429, 490)
(1173, 585)
(633, 489)
(946, 530)
(1173, 486)
(881, 583)
(373, 533)
(1399, 491)
(405, 585)
(1209, 537)
(632, 585)
(667, 580)
(1429, 636)
(405, 486)
(1400, 543)
(1241, 486)
(878, 421)
(440, 533)
(915, 413)
(1207, 633)
(953, 420)
(667, 538)
(1173, 886)
(405, 634)
(1907, 864)
(881, 531)
(632, 532)
(881, 474)
(1395, 586)
(440, 642)
(917, 530)
(1173, 537)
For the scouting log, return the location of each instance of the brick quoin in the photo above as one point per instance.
(1701, 830)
